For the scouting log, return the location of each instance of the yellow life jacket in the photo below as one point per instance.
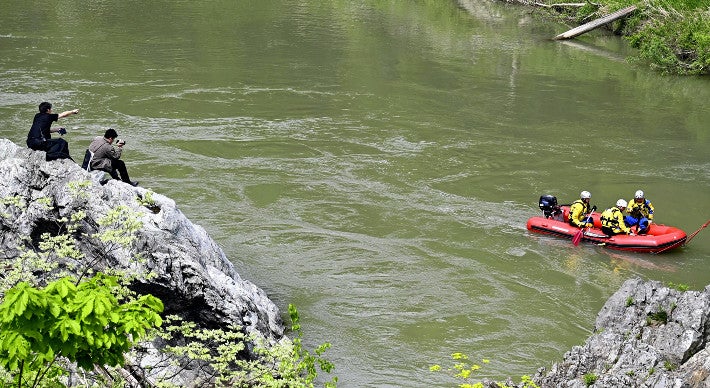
(577, 211)
(613, 219)
(640, 210)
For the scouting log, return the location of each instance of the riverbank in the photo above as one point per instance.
(672, 37)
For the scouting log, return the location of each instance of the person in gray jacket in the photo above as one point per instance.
(107, 157)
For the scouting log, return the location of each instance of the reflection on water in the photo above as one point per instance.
(375, 162)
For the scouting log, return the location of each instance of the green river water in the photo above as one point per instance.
(375, 162)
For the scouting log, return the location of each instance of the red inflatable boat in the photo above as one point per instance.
(658, 238)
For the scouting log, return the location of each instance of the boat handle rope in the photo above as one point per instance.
(696, 232)
(689, 238)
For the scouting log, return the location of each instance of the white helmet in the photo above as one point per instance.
(585, 195)
(639, 194)
(621, 203)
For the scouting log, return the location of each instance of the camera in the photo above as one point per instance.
(120, 141)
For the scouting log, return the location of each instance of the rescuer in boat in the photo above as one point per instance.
(579, 211)
(613, 220)
(640, 212)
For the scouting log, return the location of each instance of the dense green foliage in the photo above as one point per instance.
(87, 324)
(675, 41)
(672, 36)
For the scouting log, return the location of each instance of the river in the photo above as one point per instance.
(375, 162)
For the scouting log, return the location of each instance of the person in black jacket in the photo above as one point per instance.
(39, 137)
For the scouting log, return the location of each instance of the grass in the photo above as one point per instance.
(661, 317)
(672, 36)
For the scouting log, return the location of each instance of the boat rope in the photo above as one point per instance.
(696, 232)
(689, 238)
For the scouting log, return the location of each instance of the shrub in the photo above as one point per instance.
(660, 316)
(464, 369)
(86, 324)
(674, 42)
(287, 364)
(590, 378)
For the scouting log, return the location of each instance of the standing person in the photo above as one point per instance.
(640, 212)
(579, 211)
(39, 137)
(107, 157)
(613, 220)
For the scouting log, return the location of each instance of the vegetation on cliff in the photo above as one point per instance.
(672, 36)
(64, 324)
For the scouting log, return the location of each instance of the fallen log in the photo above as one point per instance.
(596, 23)
(561, 5)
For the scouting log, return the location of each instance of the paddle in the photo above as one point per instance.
(578, 236)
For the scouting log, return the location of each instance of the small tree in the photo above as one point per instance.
(87, 324)
(286, 364)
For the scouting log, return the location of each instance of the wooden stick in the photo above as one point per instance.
(596, 23)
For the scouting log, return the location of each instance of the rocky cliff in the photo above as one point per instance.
(646, 335)
(191, 274)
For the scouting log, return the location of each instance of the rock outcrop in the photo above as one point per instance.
(646, 335)
(191, 274)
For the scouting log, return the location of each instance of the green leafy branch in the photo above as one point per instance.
(464, 369)
(86, 324)
(15, 203)
(225, 353)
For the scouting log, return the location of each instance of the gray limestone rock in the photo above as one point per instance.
(646, 335)
(192, 275)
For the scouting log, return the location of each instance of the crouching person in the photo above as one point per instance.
(107, 157)
(613, 220)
